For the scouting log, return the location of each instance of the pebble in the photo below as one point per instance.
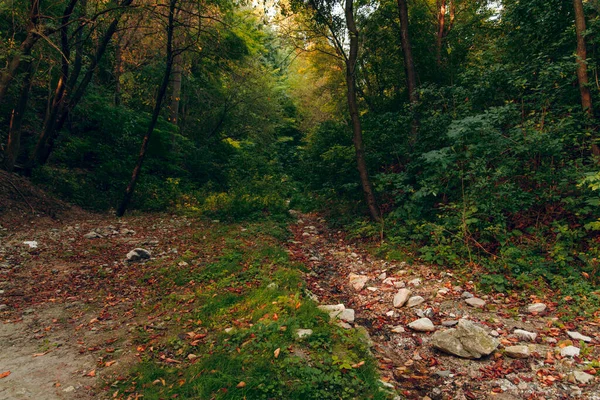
(398, 329)
(466, 295)
(358, 282)
(494, 333)
(415, 282)
(579, 336)
(517, 351)
(449, 322)
(583, 377)
(92, 235)
(303, 332)
(415, 301)
(475, 302)
(3, 307)
(382, 276)
(443, 291)
(525, 335)
(569, 351)
(69, 389)
(347, 315)
(422, 325)
(536, 308)
(444, 374)
(401, 297)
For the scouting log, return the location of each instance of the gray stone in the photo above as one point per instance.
(444, 374)
(347, 315)
(426, 313)
(398, 329)
(422, 325)
(517, 351)
(333, 310)
(415, 282)
(449, 322)
(138, 255)
(401, 297)
(466, 295)
(468, 340)
(570, 351)
(69, 389)
(301, 333)
(358, 282)
(92, 235)
(583, 377)
(536, 308)
(525, 335)
(415, 301)
(475, 302)
(579, 336)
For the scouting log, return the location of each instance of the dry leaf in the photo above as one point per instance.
(240, 385)
(276, 352)
(109, 363)
(4, 374)
(91, 374)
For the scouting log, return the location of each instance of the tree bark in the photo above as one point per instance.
(357, 137)
(176, 90)
(24, 50)
(582, 73)
(157, 107)
(441, 31)
(409, 65)
(16, 121)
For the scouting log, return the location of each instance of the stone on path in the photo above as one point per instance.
(449, 322)
(338, 311)
(583, 377)
(92, 235)
(358, 282)
(517, 351)
(347, 315)
(579, 336)
(138, 254)
(301, 333)
(525, 335)
(398, 329)
(401, 297)
(466, 295)
(468, 340)
(475, 302)
(415, 282)
(422, 325)
(536, 308)
(415, 301)
(570, 351)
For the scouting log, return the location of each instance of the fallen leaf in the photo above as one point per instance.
(276, 352)
(91, 374)
(109, 363)
(240, 385)
(4, 374)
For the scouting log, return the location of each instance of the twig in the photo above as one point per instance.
(24, 198)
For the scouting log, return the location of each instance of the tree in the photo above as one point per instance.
(409, 64)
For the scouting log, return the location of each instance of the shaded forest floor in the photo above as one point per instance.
(80, 321)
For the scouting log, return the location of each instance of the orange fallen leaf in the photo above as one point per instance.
(276, 352)
(91, 374)
(4, 374)
(109, 363)
(240, 385)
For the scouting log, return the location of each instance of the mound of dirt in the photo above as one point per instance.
(21, 202)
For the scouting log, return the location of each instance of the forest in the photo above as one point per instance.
(461, 135)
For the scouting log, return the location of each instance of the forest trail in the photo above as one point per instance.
(72, 303)
(406, 358)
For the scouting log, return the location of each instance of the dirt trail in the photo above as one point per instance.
(406, 358)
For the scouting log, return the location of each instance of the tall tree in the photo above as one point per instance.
(409, 63)
(162, 90)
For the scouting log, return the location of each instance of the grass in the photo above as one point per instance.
(232, 317)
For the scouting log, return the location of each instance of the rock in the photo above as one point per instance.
(401, 297)
(536, 308)
(372, 288)
(583, 377)
(569, 351)
(31, 243)
(358, 282)
(347, 315)
(382, 276)
(494, 333)
(228, 330)
(415, 301)
(344, 325)
(333, 310)
(138, 255)
(517, 351)
(444, 374)
(523, 386)
(579, 336)
(475, 302)
(3, 307)
(415, 282)
(301, 333)
(272, 286)
(449, 322)
(468, 340)
(92, 235)
(422, 325)
(426, 313)
(466, 295)
(443, 291)
(390, 313)
(69, 389)
(525, 335)
(398, 329)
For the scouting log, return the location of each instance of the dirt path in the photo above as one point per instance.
(407, 360)
(69, 304)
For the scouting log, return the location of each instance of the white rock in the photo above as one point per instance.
(475, 302)
(443, 291)
(536, 308)
(69, 389)
(450, 322)
(389, 281)
(401, 297)
(583, 377)
(333, 310)
(303, 332)
(579, 336)
(382, 276)
(372, 289)
(344, 325)
(466, 295)
(415, 282)
(358, 282)
(422, 325)
(31, 243)
(347, 315)
(517, 351)
(390, 313)
(415, 301)
(398, 329)
(569, 351)
(525, 335)
(92, 235)
(494, 333)
(138, 254)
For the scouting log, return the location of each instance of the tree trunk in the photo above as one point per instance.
(157, 106)
(354, 115)
(441, 32)
(409, 65)
(582, 74)
(176, 92)
(16, 121)
(24, 50)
